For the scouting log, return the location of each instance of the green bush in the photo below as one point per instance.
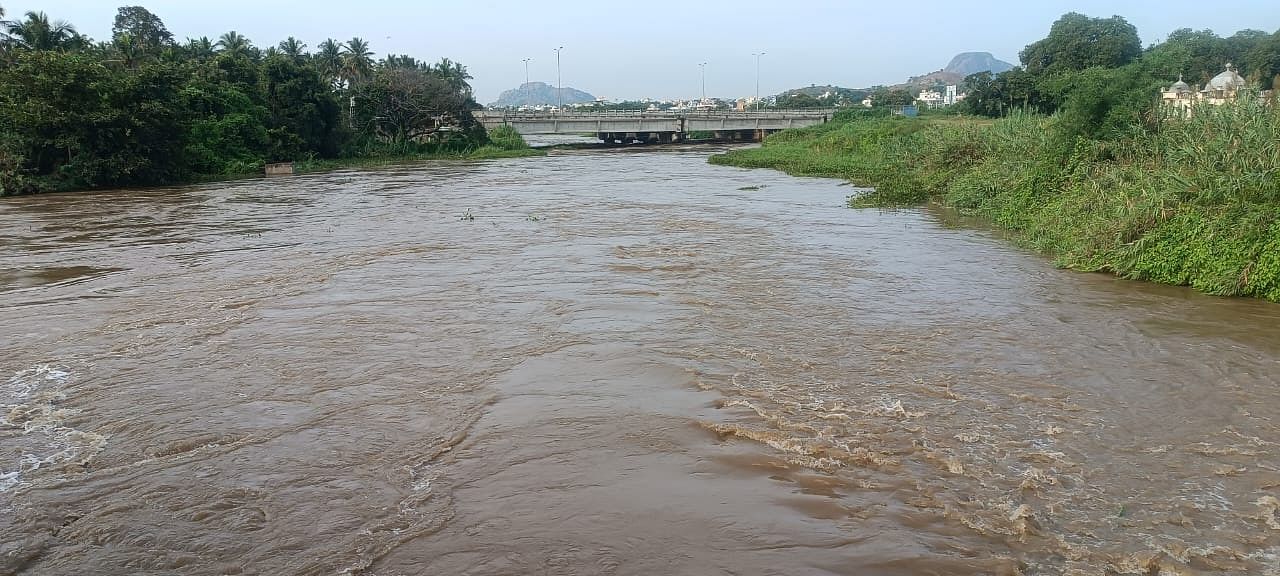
(506, 138)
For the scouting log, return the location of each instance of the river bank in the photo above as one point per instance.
(483, 153)
(502, 144)
(1195, 203)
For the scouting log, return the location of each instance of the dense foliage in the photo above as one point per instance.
(1110, 182)
(143, 109)
(1095, 70)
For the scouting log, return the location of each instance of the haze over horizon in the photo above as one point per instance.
(653, 50)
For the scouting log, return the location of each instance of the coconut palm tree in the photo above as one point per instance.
(234, 43)
(357, 61)
(293, 48)
(454, 73)
(328, 58)
(403, 61)
(36, 32)
(201, 48)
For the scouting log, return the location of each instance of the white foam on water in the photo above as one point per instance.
(32, 423)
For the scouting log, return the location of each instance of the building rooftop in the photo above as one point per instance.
(1229, 80)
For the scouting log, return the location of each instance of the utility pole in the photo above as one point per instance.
(704, 82)
(559, 86)
(758, 55)
(526, 72)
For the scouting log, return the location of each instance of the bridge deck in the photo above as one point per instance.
(662, 122)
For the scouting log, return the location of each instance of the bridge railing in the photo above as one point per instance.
(772, 113)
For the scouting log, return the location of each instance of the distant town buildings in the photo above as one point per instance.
(952, 96)
(934, 99)
(929, 99)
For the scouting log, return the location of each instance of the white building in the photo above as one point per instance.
(929, 99)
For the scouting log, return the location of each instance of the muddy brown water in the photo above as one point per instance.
(624, 363)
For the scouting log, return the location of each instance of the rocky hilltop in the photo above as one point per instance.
(539, 94)
(968, 63)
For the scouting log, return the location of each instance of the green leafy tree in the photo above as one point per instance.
(200, 49)
(1077, 42)
(799, 100)
(883, 96)
(86, 126)
(985, 96)
(228, 128)
(1263, 59)
(142, 109)
(304, 113)
(1198, 56)
(404, 105)
(144, 32)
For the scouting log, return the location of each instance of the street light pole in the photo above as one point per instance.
(704, 82)
(758, 79)
(526, 72)
(559, 86)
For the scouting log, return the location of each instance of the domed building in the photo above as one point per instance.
(1223, 88)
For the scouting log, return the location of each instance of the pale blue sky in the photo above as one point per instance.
(652, 48)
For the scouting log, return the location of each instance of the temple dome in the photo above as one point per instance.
(1180, 87)
(1229, 80)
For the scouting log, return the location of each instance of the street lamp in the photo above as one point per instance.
(758, 55)
(559, 86)
(526, 72)
(704, 81)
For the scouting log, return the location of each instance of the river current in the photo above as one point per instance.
(608, 362)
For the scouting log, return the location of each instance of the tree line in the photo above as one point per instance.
(146, 109)
(1095, 72)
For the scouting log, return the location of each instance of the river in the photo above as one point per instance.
(608, 362)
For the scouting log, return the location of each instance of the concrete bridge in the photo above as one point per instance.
(625, 127)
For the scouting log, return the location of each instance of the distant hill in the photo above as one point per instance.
(819, 91)
(962, 66)
(968, 63)
(539, 94)
(815, 95)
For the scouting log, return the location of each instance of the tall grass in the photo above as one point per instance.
(1195, 202)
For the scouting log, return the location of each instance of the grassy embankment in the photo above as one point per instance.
(504, 142)
(1195, 202)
